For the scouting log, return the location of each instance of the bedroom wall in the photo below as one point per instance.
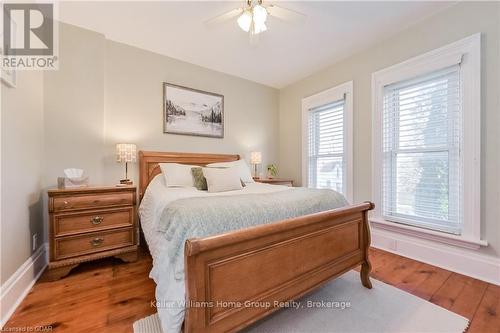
(104, 93)
(107, 92)
(74, 106)
(133, 108)
(21, 170)
(454, 23)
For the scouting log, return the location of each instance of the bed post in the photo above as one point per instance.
(366, 266)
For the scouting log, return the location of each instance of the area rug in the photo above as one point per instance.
(344, 305)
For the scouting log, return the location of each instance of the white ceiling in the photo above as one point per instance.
(285, 53)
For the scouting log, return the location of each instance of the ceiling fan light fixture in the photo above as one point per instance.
(259, 27)
(259, 14)
(245, 20)
(252, 18)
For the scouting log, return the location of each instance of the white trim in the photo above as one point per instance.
(467, 52)
(467, 262)
(471, 73)
(442, 237)
(324, 97)
(15, 289)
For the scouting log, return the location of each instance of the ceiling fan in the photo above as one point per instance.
(252, 18)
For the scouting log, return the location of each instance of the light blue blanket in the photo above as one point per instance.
(189, 218)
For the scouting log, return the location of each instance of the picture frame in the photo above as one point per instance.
(188, 111)
(9, 77)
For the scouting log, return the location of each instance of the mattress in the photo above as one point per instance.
(156, 198)
(158, 195)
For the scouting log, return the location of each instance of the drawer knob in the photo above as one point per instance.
(65, 203)
(97, 241)
(96, 220)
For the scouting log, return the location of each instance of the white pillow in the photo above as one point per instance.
(240, 165)
(177, 175)
(221, 180)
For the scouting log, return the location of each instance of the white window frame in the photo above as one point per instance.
(344, 90)
(467, 53)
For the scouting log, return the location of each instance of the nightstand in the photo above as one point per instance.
(90, 223)
(275, 181)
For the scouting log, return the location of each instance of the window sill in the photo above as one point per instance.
(460, 241)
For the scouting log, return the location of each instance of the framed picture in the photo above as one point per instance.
(8, 76)
(192, 112)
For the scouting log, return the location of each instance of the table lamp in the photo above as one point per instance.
(126, 152)
(255, 159)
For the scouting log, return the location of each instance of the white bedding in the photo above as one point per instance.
(156, 198)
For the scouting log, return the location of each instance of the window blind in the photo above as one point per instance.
(326, 167)
(422, 129)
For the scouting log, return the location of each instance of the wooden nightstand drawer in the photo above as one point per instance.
(75, 223)
(73, 202)
(89, 223)
(72, 246)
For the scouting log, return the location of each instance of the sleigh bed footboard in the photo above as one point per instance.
(234, 279)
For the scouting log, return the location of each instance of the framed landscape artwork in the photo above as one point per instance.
(192, 112)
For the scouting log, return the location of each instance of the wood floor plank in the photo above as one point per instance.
(413, 278)
(470, 298)
(435, 278)
(461, 294)
(395, 270)
(487, 316)
(387, 262)
(108, 296)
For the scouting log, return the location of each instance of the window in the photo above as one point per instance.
(421, 147)
(326, 146)
(327, 141)
(426, 149)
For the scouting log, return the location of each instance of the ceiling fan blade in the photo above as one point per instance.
(224, 17)
(284, 13)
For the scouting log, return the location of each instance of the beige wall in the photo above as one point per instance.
(106, 93)
(22, 156)
(74, 106)
(133, 108)
(457, 22)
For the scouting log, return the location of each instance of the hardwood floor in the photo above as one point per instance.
(108, 296)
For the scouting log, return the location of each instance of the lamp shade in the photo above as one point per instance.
(255, 157)
(126, 152)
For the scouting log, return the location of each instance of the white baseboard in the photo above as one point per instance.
(463, 261)
(15, 289)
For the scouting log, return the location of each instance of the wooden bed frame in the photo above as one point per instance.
(234, 279)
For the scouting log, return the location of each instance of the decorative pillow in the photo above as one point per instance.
(177, 175)
(200, 182)
(240, 165)
(221, 180)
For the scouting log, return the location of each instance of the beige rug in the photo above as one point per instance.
(344, 305)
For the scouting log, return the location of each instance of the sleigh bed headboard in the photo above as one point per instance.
(149, 163)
